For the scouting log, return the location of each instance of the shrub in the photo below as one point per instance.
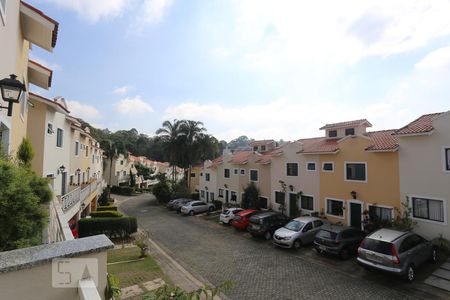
(251, 197)
(122, 190)
(442, 243)
(141, 240)
(106, 214)
(112, 227)
(217, 204)
(103, 200)
(112, 287)
(195, 196)
(162, 192)
(108, 208)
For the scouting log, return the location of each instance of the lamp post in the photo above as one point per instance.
(11, 90)
(62, 169)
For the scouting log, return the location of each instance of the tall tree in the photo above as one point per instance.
(112, 150)
(172, 137)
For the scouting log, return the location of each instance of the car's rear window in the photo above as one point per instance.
(226, 212)
(377, 246)
(325, 234)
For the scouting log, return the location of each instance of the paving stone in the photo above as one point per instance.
(438, 282)
(154, 284)
(442, 273)
(446, 266)
(131, 291)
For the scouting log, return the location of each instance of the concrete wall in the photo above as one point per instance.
(422, 173)
(227, 184)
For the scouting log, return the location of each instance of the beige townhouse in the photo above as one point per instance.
(208, 180)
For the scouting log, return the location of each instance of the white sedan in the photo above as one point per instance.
(227, 215)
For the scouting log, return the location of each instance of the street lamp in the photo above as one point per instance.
(78, 171)
(11, 90)
(62, 169)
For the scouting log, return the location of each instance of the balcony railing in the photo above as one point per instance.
(78, 195)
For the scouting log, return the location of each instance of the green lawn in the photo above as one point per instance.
(131, 273)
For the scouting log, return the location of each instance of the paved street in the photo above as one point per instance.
(259, 270)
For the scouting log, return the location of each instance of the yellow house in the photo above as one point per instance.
(194, 178)
(21, 26)
(359, 172)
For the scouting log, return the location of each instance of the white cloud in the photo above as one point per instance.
(153, 11)
(122, 90)
(134, 105)
(93, 10)
(435, 59)
(85, 111)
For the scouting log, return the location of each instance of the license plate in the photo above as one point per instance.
(375, 258)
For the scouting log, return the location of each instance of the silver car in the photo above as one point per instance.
(298, 232)
(194, 207)
(227, 215)
(396, 252)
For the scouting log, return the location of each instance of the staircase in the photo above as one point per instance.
(441, 277)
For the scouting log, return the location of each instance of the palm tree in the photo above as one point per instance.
(112, 150)
(171, 134)
(193, 130)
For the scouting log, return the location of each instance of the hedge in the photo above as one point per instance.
(107, 207)
(112, 227)
(106, 214)
(122, 190)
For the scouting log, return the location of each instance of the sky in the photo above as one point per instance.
(261, 68)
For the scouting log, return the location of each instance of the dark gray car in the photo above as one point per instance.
(396, 252)
(180, 203)
(342, 241)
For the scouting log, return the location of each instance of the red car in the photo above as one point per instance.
(242, 218)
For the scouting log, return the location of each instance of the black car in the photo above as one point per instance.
(342, 241)
(264, 224)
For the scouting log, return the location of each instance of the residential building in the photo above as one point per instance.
(194, 178)
(208, 180)
(21, 27)
(358, 172)
(227, 179)
(119, 173)
(263, 146)
(295, 179)
(424, 160)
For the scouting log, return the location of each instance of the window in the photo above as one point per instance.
(201, 174)
(87, 151)
(233, 196)
(410, 242)
(242, 172)
(311, 166)
(124, 173)
(77, 148)
(355, 171)
(121, 162)
(279, 197)
(447, 158)
(428, 209)
(263, 148)
(292, 169)
(71, 180)
(327, 167)
(50, 128)
(202, 194)
(235, 171)
(263, 202)
(226, 173)
(211, 195)
(207, 176)
(253, 175)
(317, 223)
(220, 193)
(380, 213)
(59, 138)
(308, 227)
(192, 174)
(307, 202)
(332, 133)
(93, 158)
(118, 174)
(255, 148)
(350, 131)
(335, 207)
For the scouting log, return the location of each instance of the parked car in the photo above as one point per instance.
(338, 240)
(264, 224)
(180, 203)
(194, 207)
(170, 204)
(227, 215)
(241, 219)
(298, 232)
(396, 252)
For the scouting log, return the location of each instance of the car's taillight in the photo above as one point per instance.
(395, 258)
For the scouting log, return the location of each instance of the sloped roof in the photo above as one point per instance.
(347, 123)
(421, 125)
(215, 162)
(382, 140)
(240, 157)
(261, 143)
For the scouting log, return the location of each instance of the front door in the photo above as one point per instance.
(293, 207)
(355, 215)
(207, 197)
(226, 196)
(63, 183)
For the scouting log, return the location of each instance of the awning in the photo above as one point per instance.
(37, 27)
(39, 75)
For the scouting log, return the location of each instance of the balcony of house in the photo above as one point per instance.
(73, 269)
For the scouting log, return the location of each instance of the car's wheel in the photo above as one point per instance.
(410, 273)
(344, 254)
(434, 255)
(318, 251)
(191, 213)
(211, 209)
(268, 235)
(297, 244)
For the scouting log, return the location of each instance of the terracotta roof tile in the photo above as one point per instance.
(423, 124)
(216, 162)
(347, 123)
(382, 140)
(240, 157)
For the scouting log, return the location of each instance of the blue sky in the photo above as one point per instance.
(266, 69)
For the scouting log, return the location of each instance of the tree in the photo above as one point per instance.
(171, 135)
(161, 190)
(22, 217)
(25, 153)
(132, 179)
(250, 199)
(112, 150)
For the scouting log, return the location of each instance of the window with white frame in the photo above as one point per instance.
(242, 172)
(59, 138)
(226, 173)
(253, 175)
(235, 171)
(233, 196)
(77, 148)
(279, 197)
(292, 169)
(428, 209)
(307, 202)
(311, 166)
(87, 151)
(335, 207)
(332, 133)
(220, 193)
(206, 176)
(350, 131)
(328, 167)
(202, 194)
(356, 171)
(447, 158)
(380, 213)
(263, 148)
